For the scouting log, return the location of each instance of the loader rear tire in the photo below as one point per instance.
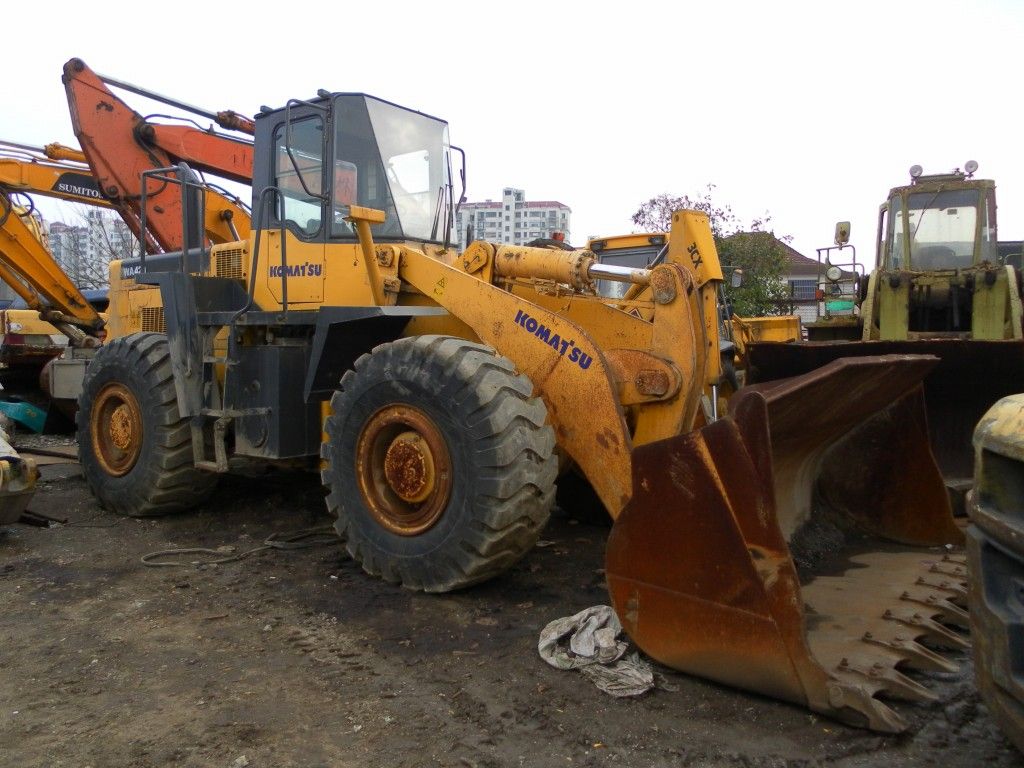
(439, 464)
(135, 447)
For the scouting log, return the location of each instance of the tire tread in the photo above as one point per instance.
(168, 482)
(513, 449)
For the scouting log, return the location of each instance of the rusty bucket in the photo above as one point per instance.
(800, 546)
(970, 377)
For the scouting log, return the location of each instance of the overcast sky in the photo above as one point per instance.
(809, 111)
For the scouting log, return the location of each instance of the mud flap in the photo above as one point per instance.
(741, 560)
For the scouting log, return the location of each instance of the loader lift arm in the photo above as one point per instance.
(120, 145)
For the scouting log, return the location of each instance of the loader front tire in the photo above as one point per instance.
(438, 462)
(135, 447)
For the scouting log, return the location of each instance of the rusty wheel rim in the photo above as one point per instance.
(116, 429)
(404, 469)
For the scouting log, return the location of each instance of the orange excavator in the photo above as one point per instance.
(131, 157)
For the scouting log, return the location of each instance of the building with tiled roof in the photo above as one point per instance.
(800, 276)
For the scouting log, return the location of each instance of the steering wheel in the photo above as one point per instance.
(933, 257)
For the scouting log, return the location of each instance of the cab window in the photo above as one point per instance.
(895, 237)
(942, 227)
(298, 173)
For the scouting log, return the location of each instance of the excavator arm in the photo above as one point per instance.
(122, 147)
(26, 263)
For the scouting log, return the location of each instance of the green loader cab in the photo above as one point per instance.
(939, 273)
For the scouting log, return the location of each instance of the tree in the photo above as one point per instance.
(763, 260)
(750, 247)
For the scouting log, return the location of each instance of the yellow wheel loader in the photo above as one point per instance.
(438, 392)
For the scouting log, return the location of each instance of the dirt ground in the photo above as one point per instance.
(296, 658)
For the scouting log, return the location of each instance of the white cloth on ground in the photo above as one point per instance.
(589, 642)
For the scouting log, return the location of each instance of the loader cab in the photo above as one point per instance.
(940, 272)
(345, 149)
(640, 251)
(938, 223)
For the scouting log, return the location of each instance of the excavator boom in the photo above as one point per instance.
(122, 148)
(228, 118)
(26, 263)
(29, 170)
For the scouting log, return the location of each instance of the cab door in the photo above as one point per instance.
(298, 172)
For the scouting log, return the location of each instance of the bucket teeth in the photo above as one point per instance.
(859, 695)
(911, 653)
(951, 569)
(938, 605)
(884, 613)
(923, 626)
(953, 589)
(884, 680)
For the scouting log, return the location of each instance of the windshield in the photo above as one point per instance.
(640, 258)
(393, 159)
(942, 226)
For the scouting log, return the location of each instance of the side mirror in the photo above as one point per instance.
(842, 232)
(736, 279)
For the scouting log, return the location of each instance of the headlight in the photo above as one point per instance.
(834, 274)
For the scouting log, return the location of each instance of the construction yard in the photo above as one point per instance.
(297, 658)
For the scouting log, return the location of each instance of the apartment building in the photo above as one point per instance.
(84, 250)
(514, 220)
